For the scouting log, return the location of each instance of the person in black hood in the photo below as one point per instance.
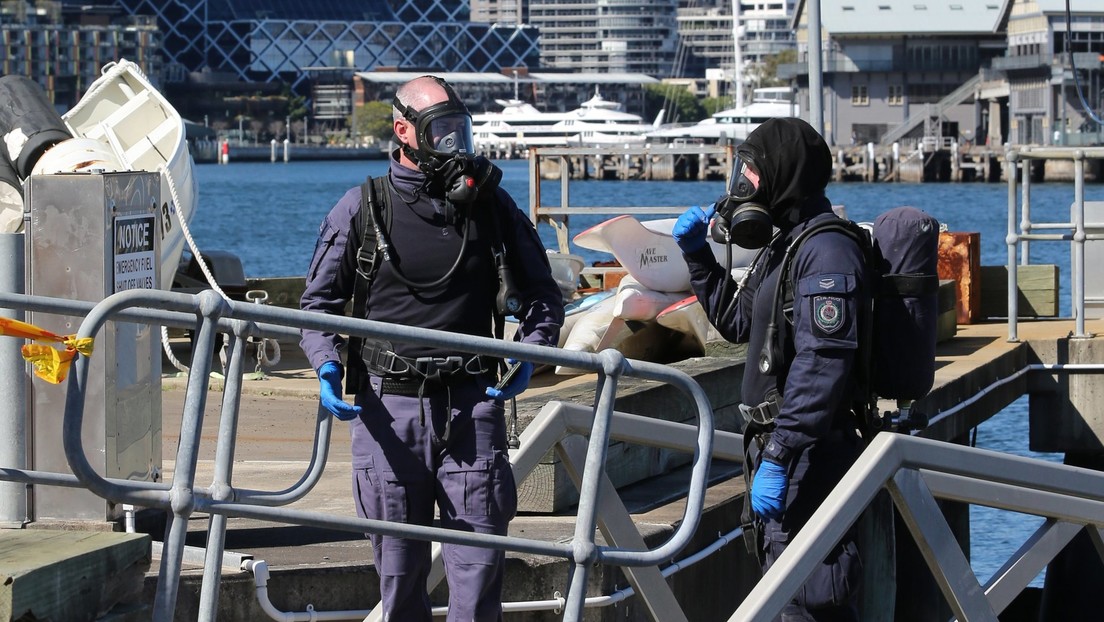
(800, 433)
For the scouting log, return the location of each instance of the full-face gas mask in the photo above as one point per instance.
(446, 148)
(743, 217)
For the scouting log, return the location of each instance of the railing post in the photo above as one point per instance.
(1010, 240)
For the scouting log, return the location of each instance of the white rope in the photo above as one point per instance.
(262, 355)
(164, 170)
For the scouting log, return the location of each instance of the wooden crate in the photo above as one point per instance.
(1037, 285)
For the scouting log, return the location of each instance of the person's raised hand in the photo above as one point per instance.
(518, 381)
(329, 392)
(768, 490)
(691, 227)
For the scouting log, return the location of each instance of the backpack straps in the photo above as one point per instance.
(864, 403)
(367, 228)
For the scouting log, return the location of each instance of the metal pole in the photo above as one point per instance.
(737, 58)
(13, 390)
(1077, 277)
(816, 78)
(1010, 158)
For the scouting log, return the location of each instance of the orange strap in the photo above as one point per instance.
(50, 363)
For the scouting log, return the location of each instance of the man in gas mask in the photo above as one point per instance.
(799, 380)
(437, 245)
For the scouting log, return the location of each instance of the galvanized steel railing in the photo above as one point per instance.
(1074, 231)
(917, 471)
(209, 314)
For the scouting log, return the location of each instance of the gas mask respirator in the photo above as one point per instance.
(446, 149)
(743, 217)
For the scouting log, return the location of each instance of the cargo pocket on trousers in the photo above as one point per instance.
(471, 486)
(835, 581)
(381, 494)
(505, 497)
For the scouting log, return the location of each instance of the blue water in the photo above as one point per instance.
(268, 214)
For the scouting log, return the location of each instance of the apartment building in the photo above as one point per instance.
(63, 46)
(607, 36)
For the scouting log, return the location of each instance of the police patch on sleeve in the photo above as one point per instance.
(828, 313)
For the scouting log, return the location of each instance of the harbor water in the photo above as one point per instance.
(268, 215)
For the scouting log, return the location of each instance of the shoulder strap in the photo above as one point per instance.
(366, 250)
(784, 295)
(367, 260)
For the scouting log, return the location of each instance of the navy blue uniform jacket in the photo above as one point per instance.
(831, 290)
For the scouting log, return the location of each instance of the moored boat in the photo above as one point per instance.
(124, 117)
(734, 124)
(596, 122)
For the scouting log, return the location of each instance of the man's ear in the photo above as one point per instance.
(401, 129)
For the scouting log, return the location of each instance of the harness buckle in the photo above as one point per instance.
(762, 414)
(433, 368)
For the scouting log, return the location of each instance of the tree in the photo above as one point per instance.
(766, 72)
(713, 105)
(679, 103)
(373, 119)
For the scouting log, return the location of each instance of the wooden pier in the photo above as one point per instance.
(926, 161)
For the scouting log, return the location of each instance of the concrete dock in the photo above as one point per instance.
(331, 570)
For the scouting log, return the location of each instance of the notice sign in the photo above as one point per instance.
(134, 248)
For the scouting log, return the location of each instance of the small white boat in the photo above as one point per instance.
(634, 302)
(734, 124)
(573, 311)
(649, 253)
(687, 317)
(124, 123)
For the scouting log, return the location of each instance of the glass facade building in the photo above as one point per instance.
(276, 40)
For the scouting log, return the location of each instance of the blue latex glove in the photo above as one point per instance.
(516, 385)
(329, 390)
(690, 228)
(768, 490)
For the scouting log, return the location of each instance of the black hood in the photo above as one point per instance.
(794, 164)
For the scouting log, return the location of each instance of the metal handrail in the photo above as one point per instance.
(916, 471)
(209, 311)
(1077, 235)
(557, 217)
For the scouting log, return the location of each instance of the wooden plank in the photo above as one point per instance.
(69, 575)
(1037, 285)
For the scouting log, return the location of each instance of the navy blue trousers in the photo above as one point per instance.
(455, 460)
(831, 592)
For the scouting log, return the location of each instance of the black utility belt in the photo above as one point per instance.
(381, 361)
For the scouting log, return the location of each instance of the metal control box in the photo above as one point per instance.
(91, 235)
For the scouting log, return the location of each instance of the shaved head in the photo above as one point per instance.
(419, 94)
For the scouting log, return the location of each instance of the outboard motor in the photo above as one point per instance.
(29, 125)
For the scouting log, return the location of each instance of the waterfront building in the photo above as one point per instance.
(972, 72)
(506, 12)
(1044, 106)
(63, 46)
(705, 29)
(607, 37)
(261, 41)
(899, 68)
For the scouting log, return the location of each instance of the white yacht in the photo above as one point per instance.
(734, 124)
(596, 122)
